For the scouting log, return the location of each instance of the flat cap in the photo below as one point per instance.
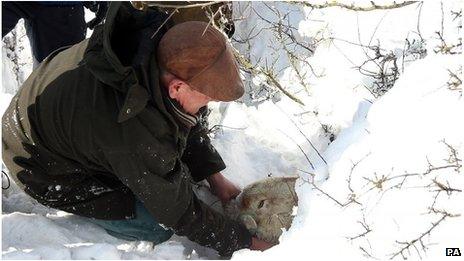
(200, 55)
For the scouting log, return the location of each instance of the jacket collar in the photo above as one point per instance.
(101, 60)
(187, 119)
(178, 112)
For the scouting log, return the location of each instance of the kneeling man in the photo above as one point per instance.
(111, 129)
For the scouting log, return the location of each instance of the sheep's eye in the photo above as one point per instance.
(261, 204)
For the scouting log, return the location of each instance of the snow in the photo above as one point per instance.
(378, 184)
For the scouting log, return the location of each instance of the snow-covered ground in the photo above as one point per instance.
(388, 187)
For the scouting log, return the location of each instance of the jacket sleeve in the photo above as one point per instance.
(205, 226)
(200, 156)
(163, 184)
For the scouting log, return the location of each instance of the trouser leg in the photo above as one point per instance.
(142, 227)
(48, 27)
(11, 13)
(52, 27)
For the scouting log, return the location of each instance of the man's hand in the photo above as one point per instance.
(258, 244)
(222, 187)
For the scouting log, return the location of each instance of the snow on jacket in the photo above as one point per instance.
(91, 129)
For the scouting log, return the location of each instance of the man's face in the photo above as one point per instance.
(190, 99)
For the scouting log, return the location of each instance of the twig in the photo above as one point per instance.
(421, 4)
(455, 82)
(164, 22)
(301, 149)
(329, 196)
(218, 126)
(367, 253)
(411, 243)
(352, 7)
(326, 194)
(366, 227)
(354, 165)
(447, 188)
(163, 5)
(302, 133)
(446, 48)
(407, 175)
(258, 70)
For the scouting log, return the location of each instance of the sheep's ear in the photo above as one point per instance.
(249, 222)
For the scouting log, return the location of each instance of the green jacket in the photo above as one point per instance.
(91, 130)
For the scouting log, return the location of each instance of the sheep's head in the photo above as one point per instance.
(265, 207)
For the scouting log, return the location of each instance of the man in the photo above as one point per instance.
(50, 25)
(109, 129)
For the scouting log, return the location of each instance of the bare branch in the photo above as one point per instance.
(453, 158)
(412, 243)
(301, 149)
(219, 126)
(378, 183)
(304, 135)
(269, 74)
(367, 253)
(164, 22)
(455, 82)
(164, 5)
(366, 228)
(352, 7)
(354, 165)
(447, 188)
(313, 183)
(447, 48)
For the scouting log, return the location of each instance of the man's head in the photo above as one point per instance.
(190, 99)
(198, 65)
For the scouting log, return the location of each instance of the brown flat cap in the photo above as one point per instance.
(201, 56)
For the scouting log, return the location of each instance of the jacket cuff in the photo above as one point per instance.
(209, 228)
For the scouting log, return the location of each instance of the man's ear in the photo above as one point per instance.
(174, 86)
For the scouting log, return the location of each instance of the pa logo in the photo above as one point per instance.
(454, 251)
